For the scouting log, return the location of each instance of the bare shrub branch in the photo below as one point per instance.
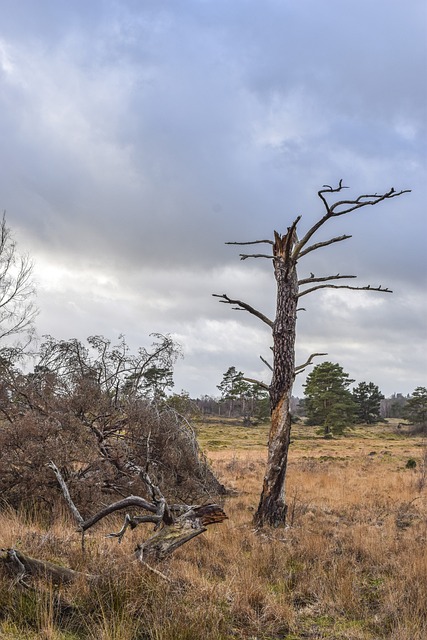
(17, 310)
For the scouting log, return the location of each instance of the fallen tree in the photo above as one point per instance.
(21, 567)
(174, 526)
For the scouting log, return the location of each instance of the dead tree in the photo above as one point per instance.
(174, 524)
(286, 251)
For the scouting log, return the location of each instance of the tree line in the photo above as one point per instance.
(328, 403)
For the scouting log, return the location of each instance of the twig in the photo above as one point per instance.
(155, 571)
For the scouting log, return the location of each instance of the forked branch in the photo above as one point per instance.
(174, 525)
(243, 306)
(132, 522)
(301, 367)
(340, 208)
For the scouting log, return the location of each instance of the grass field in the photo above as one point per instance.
(351, 564)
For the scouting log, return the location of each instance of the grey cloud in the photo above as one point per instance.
(141, 136)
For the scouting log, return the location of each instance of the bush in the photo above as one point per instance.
(94, 426)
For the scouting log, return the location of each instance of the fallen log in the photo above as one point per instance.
(170, 537)
(22, 567)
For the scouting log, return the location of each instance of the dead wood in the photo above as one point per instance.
(191, 524)
(22, 566)
(174, 524)
(287, 250)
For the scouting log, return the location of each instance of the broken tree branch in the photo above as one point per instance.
(76, 513)
(179, 523)
(243, 306)
(189, 525)
(162, 509)
(24, 566)
(132, 523)
(131, 501)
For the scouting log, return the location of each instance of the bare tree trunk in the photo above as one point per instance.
(272, 507)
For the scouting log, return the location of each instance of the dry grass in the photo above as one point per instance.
(352, 565)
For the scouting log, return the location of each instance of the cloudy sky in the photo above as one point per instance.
(138, 136)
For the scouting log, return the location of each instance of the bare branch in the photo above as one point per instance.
(334, 210)
(257, 382)
(344, 286)
(155, 571)
(253, 242)
(245, 256)
(66, 494)
(243, 306)
(328, 189)
(323, 279)
(132, 523)
(131, 501)
(267, 364)
(301, 367)
(162, 510)
(363, 201)
(319, 245)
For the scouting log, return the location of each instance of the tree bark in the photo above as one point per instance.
(23, 566)
(272, 507)
(191, 524)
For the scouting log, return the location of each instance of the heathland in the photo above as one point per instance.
(350, 564)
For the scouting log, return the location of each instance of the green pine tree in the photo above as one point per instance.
(329, 403)
(367, 397)
(416, 407)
